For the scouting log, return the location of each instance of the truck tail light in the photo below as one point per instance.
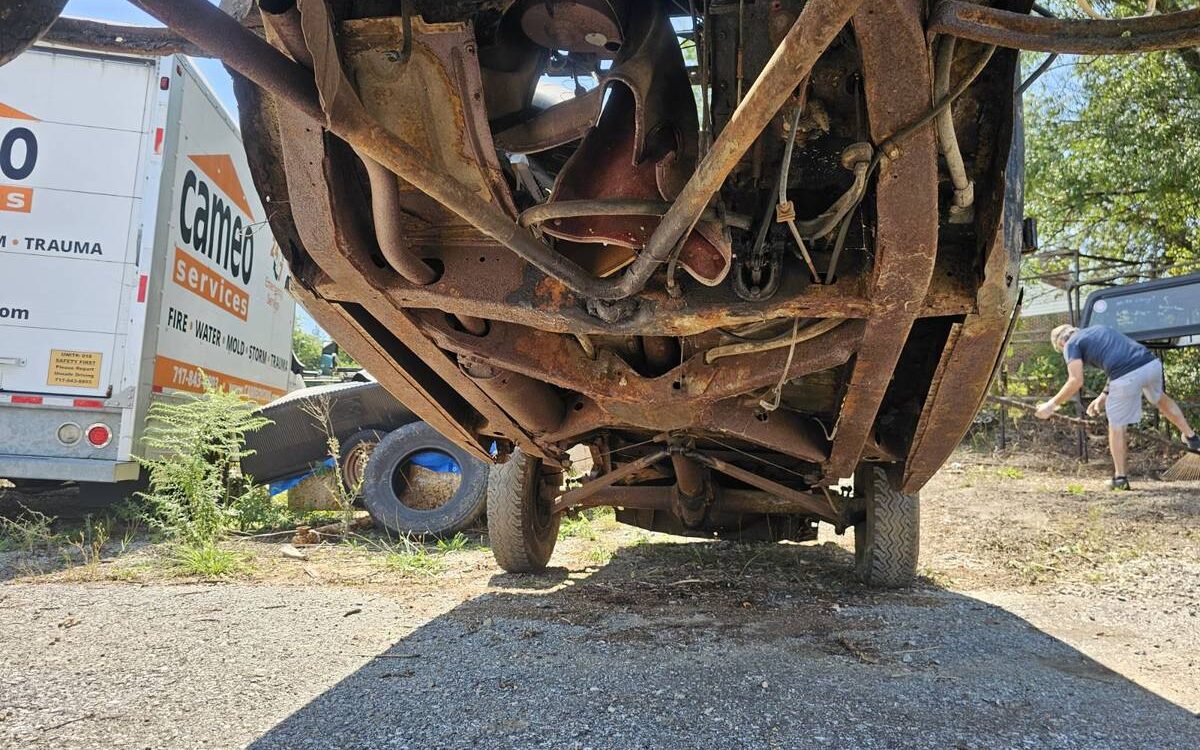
(69, 433)
(99, 435)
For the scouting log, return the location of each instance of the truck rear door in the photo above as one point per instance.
(74, 137)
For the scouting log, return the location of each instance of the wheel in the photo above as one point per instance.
(521, 528)
(887, 542)
(408, 489)
(355, 450)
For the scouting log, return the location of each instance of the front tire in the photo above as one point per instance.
(521, 528)
(887, 541)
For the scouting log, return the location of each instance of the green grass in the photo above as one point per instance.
(1010, 472)
(207, 560)
(1076, 489)
(579, 527)
(413, 560)
(599, 555)
(457, 543)
(586, 524)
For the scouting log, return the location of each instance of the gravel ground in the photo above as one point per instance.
(666, 644)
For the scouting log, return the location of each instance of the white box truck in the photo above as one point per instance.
(135, 259)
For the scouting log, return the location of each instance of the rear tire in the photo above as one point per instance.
(521, 529)
(887, 542)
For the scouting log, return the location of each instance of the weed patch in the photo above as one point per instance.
(28, 532)
(1010, 472)
(414, 561)
(206, 560)
(457, 543)
(196, 487)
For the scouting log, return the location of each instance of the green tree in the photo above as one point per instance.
(307, 347)
(1114, 150)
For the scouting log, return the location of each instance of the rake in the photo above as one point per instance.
(1186, 469)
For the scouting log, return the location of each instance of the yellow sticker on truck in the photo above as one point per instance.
(71, 369)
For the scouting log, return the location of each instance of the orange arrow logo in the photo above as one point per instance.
(13, 113)
(219, 168)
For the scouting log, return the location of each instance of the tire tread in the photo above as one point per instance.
(890, 536)
(509, 508)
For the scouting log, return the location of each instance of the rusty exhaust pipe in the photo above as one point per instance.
(385, 210)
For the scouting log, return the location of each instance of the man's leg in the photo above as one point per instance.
(1116, 446)
(1171, 411)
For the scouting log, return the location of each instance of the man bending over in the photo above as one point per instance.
(1132, 372)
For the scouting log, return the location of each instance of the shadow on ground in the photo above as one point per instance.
(710, 645)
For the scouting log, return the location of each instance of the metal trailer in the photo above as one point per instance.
(134, 255)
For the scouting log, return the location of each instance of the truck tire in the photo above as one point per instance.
(356, 450)
(521, 529)
(386, 475)
(887, 541)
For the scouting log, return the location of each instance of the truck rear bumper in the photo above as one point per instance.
(66, 469)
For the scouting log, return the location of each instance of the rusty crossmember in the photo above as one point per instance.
(778, 498)
(579, 494)
(728, 501)
(562, 361)
(813, 504)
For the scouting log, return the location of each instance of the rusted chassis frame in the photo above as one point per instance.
(348, 298)
(766, 497)
(206, 27)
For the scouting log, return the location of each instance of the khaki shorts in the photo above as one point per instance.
(1124, 404)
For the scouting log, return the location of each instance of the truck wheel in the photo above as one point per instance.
(406, 498)
(887, 542)
(355, 451)
(521, 529)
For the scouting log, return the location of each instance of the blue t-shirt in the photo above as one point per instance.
(1108, 349)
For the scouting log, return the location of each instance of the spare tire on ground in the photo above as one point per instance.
(356, 450)
(418, 482)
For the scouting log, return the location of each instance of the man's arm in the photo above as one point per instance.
(1073, 384)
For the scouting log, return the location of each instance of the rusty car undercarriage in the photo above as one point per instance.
(759, 248)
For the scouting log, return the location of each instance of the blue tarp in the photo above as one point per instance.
(437, 461)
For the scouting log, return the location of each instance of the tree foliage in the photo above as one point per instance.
(1114, 150)
(1113, 154)
(307, 347)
